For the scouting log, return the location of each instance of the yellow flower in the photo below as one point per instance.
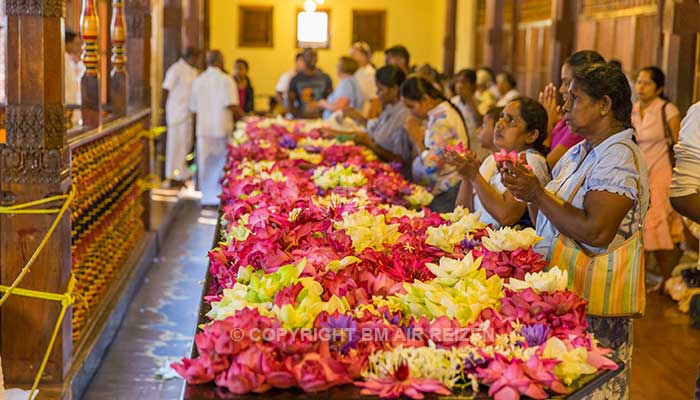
(419, 196)
(338, 265)
(573, 363)
(301, 154)
(367, 230)
(448, 235)
(509, 239)
(550, 281)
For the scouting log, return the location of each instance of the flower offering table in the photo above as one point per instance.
(331, 278)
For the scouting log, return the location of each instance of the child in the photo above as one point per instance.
(488, 125)
(522, 128)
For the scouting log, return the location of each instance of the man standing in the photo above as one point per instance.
(74, 69)
(214, 104)
(177, 90)
(282, 87)
(308, 87)
(365, 76)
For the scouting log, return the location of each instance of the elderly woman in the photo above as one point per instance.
(598, 196)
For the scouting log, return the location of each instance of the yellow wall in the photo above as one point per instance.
(417, 24)
(466, 31)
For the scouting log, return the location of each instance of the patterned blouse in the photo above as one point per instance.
(608, 167)
(443, 128)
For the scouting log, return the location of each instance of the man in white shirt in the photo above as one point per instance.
(365, 76)
(506, 87)
(685, 186)
(177, 90)
(73, 73)
(282, 87)
(215, 104)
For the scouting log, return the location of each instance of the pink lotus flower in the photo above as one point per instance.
(507, 264)
(318, 371)
(193, 370)
(508, 381)
(401, 384)
(512, 157)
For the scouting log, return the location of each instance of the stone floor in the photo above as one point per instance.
(160, 323)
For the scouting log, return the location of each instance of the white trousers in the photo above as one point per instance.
(178, 144)
(211, 159)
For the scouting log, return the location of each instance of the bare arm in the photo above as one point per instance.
(502, 206)
(595, 225)
(675, 125)
(688, 206)
(339, 104)
(237, 111)
(465, 196)
(293, 108)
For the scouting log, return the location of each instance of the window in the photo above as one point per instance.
(313, 28)
(369, 26)
(255, 26)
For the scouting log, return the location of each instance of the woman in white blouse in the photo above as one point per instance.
(685, 186)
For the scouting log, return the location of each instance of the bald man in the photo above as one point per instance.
(215, 106)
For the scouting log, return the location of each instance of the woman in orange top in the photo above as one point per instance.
(663, 228)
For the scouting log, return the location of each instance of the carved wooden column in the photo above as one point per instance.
(172, 32)
(118, 81)
(194, 15)
(562, 34)
(493, 45)
(138, 49)
(450, 39)
(680, 31)
(34, 163)
(90, 83)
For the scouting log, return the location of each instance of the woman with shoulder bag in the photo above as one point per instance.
(590, 215)
(657, 122)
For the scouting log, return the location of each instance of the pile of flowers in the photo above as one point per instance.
(332, 271)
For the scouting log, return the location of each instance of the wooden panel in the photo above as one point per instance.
(369, 26)
(545, 60)
(521, 53)
(535, 10)
(479, 48)
(605, 40)
(625, 41)
(647, 42)
(592, 7)
(255, 26)
(586, 35)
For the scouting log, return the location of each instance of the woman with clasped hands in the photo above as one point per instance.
(599, 191)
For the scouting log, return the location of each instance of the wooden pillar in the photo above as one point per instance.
(680, 35)
(34, 163)
(90, 83)
(194, 24)
(563, 33)
(493, 45)
(138, 49)
(118, 81)
(172, 32)
(450, 40)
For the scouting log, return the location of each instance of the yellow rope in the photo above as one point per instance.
(66, 299)
(18, 209)
(151, 181)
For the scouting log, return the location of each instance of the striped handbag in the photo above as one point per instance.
(612, 282)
